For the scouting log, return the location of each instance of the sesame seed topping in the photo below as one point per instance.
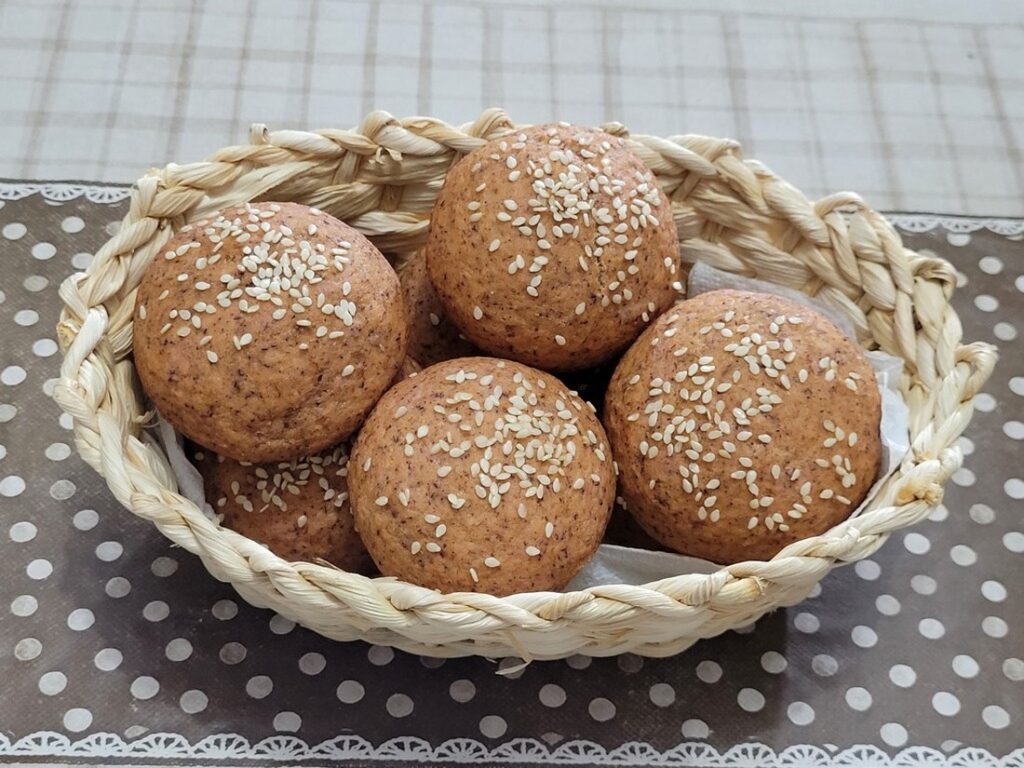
(492, 562)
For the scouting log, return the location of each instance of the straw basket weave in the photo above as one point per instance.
(382, 178)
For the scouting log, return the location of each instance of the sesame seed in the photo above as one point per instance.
(492, 562)
(433, 546)
(211, 356)
(532, 551)
(381, 501)
(495, 245)
(560, 340)
(478, 313)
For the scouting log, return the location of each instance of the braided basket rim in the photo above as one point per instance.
(381, 178)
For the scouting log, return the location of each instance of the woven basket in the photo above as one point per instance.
(382, 178)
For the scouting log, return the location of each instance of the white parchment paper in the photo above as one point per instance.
(614, 564)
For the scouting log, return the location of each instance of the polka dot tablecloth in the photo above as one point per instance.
(116, 646)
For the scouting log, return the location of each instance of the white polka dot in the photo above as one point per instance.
(963, 555)
(1014, 430)
(552, 695)
(350, 692)
(144, 687)
(12, 486)
(7, 412)
(1017, 385)
(984, 402)
(773, 662)
(630, 663)
(260, 686)
(65, 421)
(72, 224)
(578, 662)
(995, 717)
(312, 663)
(52, 683)
(959, 239)
(750, 700)
(178, 649)
(946, 704)
(858, 698)
(990, 265)
(43, 251)
(44, 348)
(1013, 668)
(462, 691)
(58, 451)
(380, 655)
(156, 610)
(27, 648)
(800, 713)
(923, 584)
(13, 375)
(134, 731)
(601, 709)
(993, 626)
(662, 695)
(164, 566)
(77, 719)
(994, 591)
(868, 570)
(62, 490)
(288, 722)
(695, 729)
(39, 569)
(986, 303)
(109, 551)
(965, 666)
(806, 622)
(279, 625)
(964, 478)
(1014, 541)
(902, 675)
(965, 444)
(510, 668)
(815, 591)
(81, 619)
(493, 727)
(1004, 331)
(940, 512)
(225, 610)
(85, 519)
(893, 734)
(26, 318)
(887, 605)
(931, 628)
(81, 260)
(1014, 488)
(14, 231)
(193, 701)
(709, 671)
(117, 587)
(864, 637)
(1019, 282)
(24, 605)
(916, 543)
(232, 653)
(22, 532)
(982, 514)
(824, 665)
(35, 283)
(3, 451)
(399, 705)
(108, 659)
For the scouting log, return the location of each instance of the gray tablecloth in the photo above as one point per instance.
(114, 644)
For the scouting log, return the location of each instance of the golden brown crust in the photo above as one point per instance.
(236, 347)
(553, 246)
(482, 475)
(720, 459)
(433, 337)
(299, 509)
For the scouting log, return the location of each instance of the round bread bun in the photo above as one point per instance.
(433, 337)
(268, 331)
(553, 246)
(482, 475)
(742, 422)
(298, 509)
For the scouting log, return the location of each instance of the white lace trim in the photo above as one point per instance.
(59, 192)
(170, 746)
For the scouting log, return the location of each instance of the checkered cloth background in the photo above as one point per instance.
(914, 113)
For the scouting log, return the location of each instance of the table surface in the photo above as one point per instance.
(107, 629)
(916, 105)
